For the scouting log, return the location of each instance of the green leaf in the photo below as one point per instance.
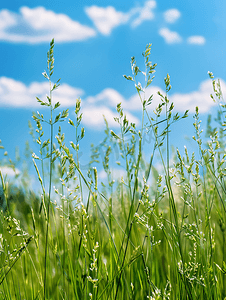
(159, 93)
(171, 106)
(79, 119)
(185, 114)
(56, 105)
(73, 145)
(210, 74)
(136, 70)
(167, 83)
(82, 132)
(45, 75)
(223, 269)
(45, 144)
(38, 141)
(115, 135)
(119, 107)
(57, 118)
(55, 86)
(116, 119)
(65, 113)
(128, 77)
(38, 99)
(71, 122)
(139, 87)
(149, 100)
(49, 99)
(35, 156)
(52, 43)
(149, 82)
(176, 117)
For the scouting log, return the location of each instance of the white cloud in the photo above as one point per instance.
(182, 101)
(7, 19)
(38, 25)
(170, 37)
(16, 94)
(102, 175)
(134, 102)
(117, 174)
(109, 96)
(105, 19)
(145, 13)
(172, 15)
(196, 40)
(101, 104)
(93, 116)
(9, 171)
(200, 98)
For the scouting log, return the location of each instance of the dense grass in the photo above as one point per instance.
(123, 239)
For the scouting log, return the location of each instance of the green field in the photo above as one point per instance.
(152, 234)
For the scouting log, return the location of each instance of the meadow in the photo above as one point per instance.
(146, 235)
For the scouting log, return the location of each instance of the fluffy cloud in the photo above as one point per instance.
(93, 116)
(134, 102)
(172, 15)
(196, 40)
(182, 101)
(105, 19)
(108, 95)
(111, 98)
(9, 171)
(200, 98)
(144, 13)
(7, 19)
(38, 25)
(16, 94)
(105, 103)
(170, 37)
(117, 174)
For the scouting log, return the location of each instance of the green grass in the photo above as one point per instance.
(122, 239)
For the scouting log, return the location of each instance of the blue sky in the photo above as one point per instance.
(94, 42)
